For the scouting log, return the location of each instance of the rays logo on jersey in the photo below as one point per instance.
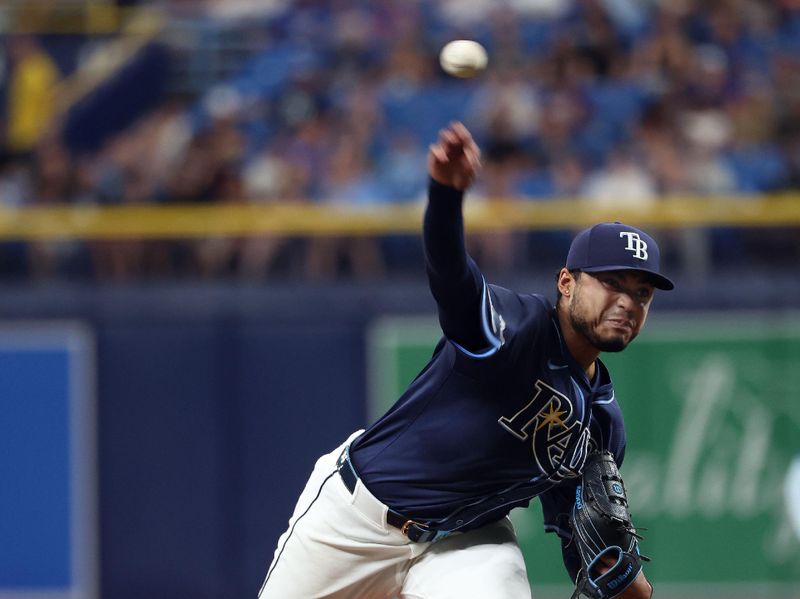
(558, 441)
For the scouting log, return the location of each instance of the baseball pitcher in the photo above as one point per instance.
(514, 404)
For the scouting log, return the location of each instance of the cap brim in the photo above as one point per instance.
(659, 280)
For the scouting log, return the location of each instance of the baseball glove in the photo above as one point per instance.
(603, 531)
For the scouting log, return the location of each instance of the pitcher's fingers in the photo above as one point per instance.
(473, 155)
(439, 153)
(466, 139)
(461, 131)
(451, 141)
(446, 136)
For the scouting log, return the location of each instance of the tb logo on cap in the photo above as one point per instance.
(636, 244)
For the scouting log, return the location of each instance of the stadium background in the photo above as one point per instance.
(211, 271)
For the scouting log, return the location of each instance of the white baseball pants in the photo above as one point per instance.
(339, 546)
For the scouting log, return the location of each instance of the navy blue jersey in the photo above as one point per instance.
(500, 414)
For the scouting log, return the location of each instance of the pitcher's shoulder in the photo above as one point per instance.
(527, 303)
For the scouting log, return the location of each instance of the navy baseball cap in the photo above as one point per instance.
(615, 246)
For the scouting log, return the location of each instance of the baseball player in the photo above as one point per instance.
(513, 404)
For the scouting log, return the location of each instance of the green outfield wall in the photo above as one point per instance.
(713, 418)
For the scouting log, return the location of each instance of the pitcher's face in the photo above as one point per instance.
(609, 308)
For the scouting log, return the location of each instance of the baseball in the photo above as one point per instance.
(463, 58)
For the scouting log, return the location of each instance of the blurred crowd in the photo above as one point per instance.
(616, 101)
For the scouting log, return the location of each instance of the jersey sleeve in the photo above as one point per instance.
(456, 282)
(478, 318)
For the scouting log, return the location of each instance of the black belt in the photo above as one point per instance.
(417, 532)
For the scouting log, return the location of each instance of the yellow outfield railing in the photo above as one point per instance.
(296, 218)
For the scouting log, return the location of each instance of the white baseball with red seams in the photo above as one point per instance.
(463, 58)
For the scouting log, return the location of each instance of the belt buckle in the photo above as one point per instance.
(408, 523)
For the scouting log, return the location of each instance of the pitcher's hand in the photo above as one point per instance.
(454, 160)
